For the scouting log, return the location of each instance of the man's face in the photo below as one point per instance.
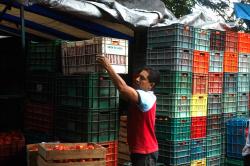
(141, 81)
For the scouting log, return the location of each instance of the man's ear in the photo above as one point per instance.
(152, 85)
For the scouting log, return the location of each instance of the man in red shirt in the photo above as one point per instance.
(142, 141)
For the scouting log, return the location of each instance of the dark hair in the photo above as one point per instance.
(153, 75)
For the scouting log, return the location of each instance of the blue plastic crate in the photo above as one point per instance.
(237, 131)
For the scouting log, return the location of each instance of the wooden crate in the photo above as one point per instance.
(42, 162)
(123, 149)
(32, 153)
(72, 154)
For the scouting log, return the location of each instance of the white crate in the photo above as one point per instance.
(80, 56)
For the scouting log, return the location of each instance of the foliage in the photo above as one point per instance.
(184, 7)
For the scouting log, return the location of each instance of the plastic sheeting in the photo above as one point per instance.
(133, 17)
(136, 13)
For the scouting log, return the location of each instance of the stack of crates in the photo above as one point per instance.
(170, 50)
(199, 142)
(215, 91)
(87, 102)
(239, 44)
(42, 67)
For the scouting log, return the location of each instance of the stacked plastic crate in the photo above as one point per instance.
(243, 74)
(230, 77)
(43, 64)
(87, 102)
(214, 103)
(170, 50)
(199, 96)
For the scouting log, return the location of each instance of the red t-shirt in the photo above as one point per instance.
(141, 124)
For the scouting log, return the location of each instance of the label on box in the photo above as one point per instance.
(115, 49)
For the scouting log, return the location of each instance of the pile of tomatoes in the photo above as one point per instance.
(70, 147)
(11, 137)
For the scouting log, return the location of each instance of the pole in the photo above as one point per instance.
(22, 28)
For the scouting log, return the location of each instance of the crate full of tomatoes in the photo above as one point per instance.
(71, 154)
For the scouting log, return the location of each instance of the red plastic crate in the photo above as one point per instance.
(244, 42)
(200, 84)
(231, 42)
(217, 40)
(198, 127)
(215, 83)
(200, 62)
(230, 63)
(112, 152)
(39, 117)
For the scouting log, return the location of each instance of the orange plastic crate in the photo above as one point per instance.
(200, 62)
(230, 63)
(215, 83)
(111, 153)
(244, 42)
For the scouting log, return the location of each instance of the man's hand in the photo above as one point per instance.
(103, 61)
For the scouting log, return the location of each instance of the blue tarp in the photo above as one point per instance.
(242, 11)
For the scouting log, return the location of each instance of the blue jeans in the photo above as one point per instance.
(144, 159)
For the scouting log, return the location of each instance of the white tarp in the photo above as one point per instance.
(136, 13)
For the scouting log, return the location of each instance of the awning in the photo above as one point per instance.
(242, 11)
(45, 23)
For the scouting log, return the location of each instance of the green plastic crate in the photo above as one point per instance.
(173, 105)
(201, 39)
(77, 125)
(175, 82)
(89, 91)
(174, 152)
(234, 162)
(44, 56)
(174, 35)
(173, 129)
(214, 145)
